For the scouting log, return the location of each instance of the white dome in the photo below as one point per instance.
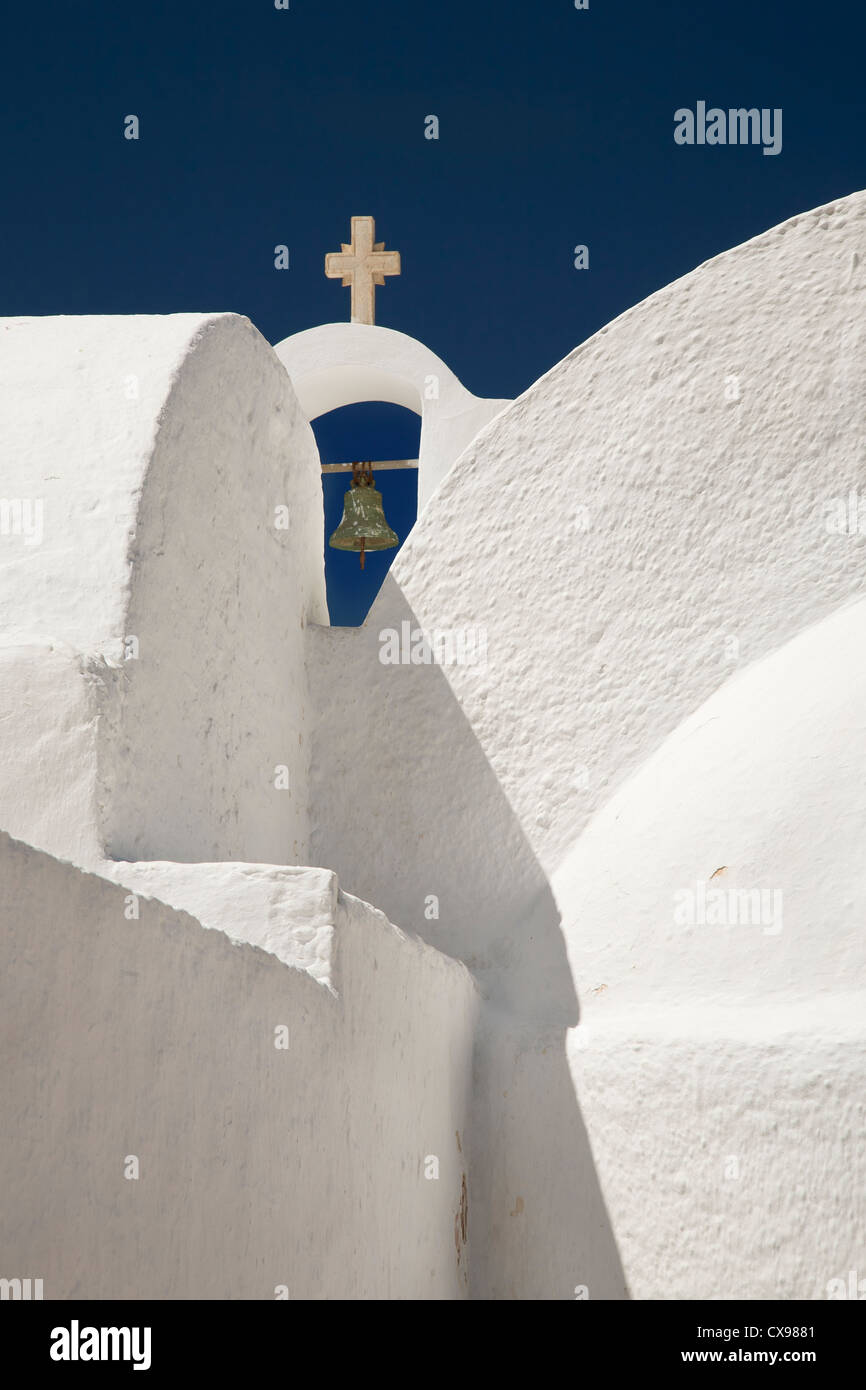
(760, 791)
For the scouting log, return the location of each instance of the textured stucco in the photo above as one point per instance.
(258, 1167)
(289, 911)
(671, 697)
(718, 1064)
(761, 788)
(48, 748)
(645, 527)
(159, 524)
(705, 521)
(707, 1153)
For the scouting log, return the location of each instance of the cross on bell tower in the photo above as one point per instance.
(363, 264)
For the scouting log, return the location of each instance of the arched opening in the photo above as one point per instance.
(372, 430)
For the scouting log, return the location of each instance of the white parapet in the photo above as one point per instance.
(187, 1115)
(153, 696)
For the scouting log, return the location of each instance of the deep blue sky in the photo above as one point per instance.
(261, 126)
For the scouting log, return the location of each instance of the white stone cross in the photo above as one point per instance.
(363, 264)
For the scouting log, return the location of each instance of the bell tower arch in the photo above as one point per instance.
(341, 364)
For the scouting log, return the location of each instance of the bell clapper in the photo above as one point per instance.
(363, 543)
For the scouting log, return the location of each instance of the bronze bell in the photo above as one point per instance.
(363, 526)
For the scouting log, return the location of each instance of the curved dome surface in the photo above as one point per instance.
(647, 519)
(729, 868)
(662, 489)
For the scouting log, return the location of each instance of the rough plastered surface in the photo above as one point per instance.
(762, 788)
(646, 526)
(259, 1167)
(718, 1064)
(706, 1154)
(706, 521)
(340, 364)
(287, 911)
(48, 746)
(671, 703)
(159, 449)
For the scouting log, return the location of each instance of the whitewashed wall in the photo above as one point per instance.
(648, 521)
(159, 449)
(671, 687)
(706, 522)
(258, 1166)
